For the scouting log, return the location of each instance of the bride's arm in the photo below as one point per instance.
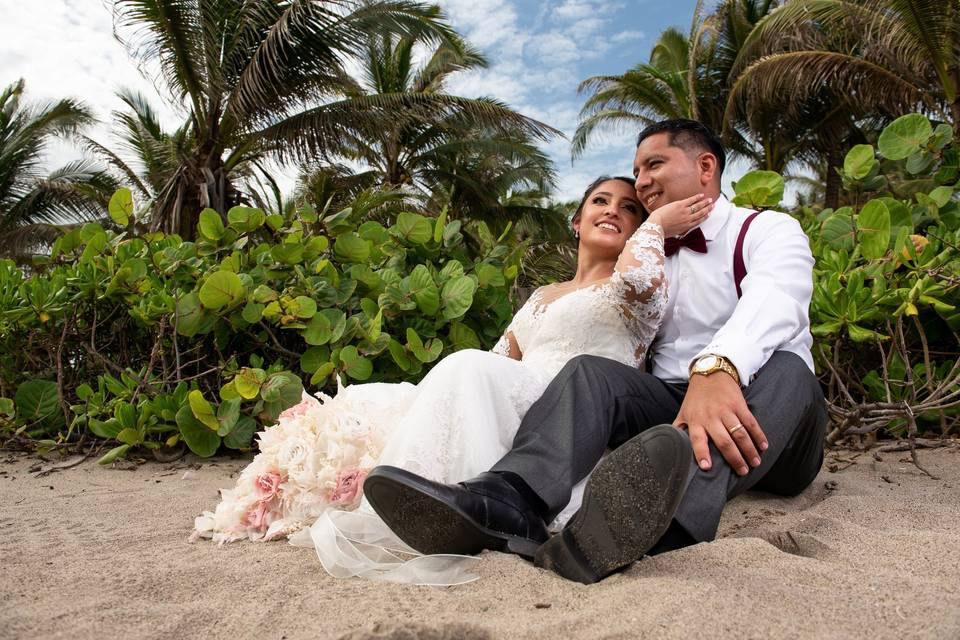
(507, 346)
(639, 269)
(640, 266)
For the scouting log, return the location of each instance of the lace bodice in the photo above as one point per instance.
(616, 318)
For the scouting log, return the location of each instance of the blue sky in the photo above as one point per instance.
(539, 51)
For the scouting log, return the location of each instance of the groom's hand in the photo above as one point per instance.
(712, 407)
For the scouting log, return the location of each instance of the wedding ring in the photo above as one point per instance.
(735, 429)
(692, 210)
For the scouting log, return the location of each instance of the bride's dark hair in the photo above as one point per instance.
(593, 187)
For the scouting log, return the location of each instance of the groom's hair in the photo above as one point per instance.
(689, 135)
(593, 186)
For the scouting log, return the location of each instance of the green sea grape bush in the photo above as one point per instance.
(885, 312)
(155, 343)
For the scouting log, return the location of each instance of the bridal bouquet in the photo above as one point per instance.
(315, 457)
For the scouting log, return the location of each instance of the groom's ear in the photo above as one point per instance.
(707, 168)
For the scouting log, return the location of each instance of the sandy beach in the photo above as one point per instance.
(870, 550)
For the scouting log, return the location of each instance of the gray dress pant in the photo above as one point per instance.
(595, 403)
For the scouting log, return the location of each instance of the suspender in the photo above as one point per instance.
(739, 269)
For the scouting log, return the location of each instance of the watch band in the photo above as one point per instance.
(722, 364)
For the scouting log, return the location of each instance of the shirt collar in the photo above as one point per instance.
(717, 218)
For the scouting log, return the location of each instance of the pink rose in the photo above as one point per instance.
(260, 516)
(267, 485)
(307, 402)
(349, 486)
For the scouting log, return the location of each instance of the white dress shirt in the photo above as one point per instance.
(704, 316)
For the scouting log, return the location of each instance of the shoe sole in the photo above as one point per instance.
(430, 525)
(625, 510)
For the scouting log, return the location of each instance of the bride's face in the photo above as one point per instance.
(610, 215)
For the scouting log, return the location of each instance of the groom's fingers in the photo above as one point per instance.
(750, 423)
(729, 449)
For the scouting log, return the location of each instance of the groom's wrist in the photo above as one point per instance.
(711, 363)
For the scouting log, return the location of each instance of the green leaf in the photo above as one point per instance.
(489, 275)
(287, 253)
(322, 373)
(457, 296)
(399, 354)
(350, 247)
(126, 415)
(104, 429)
(919, 162)
(305, 307)
(318, 331)
(941, 195)
(440, 224)
(859, 162)
(463, 337)
(191, 318)
(274, 221)
(904, 136)
(313, 358)
(424, 290)
(355, 365)
(199, 438)
(37, 400)
(83, 391)
(873, 227)
(227, 415)
(245, 219)
(202, 410)
(838, 229)
(113, 454)
(130, 436)
(121, 206)
(759, 189)
(413, 228)
(247, 382)
(264, 294)
(7, 407)
(252, 312)
(283, 390)
(241, 436)
(211, 225)
(221, 289)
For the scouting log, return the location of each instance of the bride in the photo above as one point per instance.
(461, 418)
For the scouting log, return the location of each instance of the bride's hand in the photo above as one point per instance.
(681, 216)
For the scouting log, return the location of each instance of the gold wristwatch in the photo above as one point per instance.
(710, 363)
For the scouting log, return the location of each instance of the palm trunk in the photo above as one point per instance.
(832, 186)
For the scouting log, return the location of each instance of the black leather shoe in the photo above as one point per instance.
(627, 506)
(483, 513)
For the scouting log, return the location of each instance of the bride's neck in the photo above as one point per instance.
(591, 269)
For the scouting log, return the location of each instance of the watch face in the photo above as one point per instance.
(706, 362)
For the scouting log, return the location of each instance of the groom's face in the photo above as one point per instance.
(666, 173)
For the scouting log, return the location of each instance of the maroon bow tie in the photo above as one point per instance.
(693, 241)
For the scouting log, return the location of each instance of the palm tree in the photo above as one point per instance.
(148, 157)
(688, 76)
(32, 201)
(656, 90)
(265, 79)
(835, 67)
(471, 157)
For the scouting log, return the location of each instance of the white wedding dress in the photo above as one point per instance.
(463, 416)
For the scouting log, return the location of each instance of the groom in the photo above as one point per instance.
(732, 388)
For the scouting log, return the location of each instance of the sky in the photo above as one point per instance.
(539, 51)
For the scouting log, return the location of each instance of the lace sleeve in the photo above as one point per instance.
(639, 275)
(518, 330)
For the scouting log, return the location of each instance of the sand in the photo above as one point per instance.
(870, 550)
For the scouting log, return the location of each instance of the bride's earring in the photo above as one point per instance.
(576, 235)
